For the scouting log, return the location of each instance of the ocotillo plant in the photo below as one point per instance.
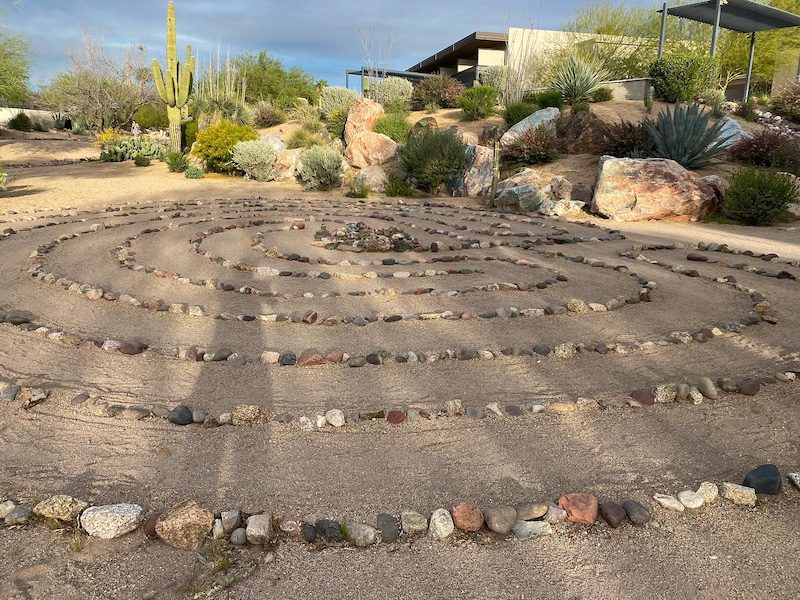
(175, 85)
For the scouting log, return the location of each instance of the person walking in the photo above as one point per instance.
(68, 126)
(136, 131)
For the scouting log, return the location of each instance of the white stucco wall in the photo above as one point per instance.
(6, 114)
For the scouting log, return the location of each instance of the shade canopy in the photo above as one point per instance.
(744, 16)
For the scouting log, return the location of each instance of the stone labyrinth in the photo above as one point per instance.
(275, 312)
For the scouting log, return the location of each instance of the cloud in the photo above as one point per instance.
(322, 37)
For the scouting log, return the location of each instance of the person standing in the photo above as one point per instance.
(68, 126)
(136, 131)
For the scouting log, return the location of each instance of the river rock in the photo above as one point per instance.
(764, 479)
(527, 530)
(361, 535)
(413, 523)
(669, 502)
(738, 494)
(500, 519)
(185, 525)
(613, 513)
(691, 500)
(61, 508)
(581, 508)
(637, 513)
(467, 516)
(441, 526)
(112, 520)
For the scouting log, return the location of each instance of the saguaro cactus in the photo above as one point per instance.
(175, 84)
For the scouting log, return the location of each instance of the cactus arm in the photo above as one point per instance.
(158, 76)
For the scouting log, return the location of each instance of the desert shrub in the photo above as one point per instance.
(432, 157)
(306, 114)
(577, 77)
(3, 179)
(391, 91)
(768, 148)
(682, 76)
(131, 148)
(603, 94)
(189, 131)
(109, 137)
(546, 99)
(756, 196)
(514, 113)
(623, 139)
(336, 99)
(176, 162)
(746, 110)
(152, 116)
(534, 146)
(193, 172)
(20, 122)
(215, 144)
(441, 90)
(787, 102)
(304, 139)
(335, 122)
(267, 115)
(715, 100)
(579, 106)
(256, 159)
(396, 187)
(395, 126)
(141, 161)
(320, 168)
(432, 108)
(685, 136)
(478, 102)
(358, 190)
(41, 125)
(577, 133)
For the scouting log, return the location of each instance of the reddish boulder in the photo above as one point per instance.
(369, 148)
(362, 117)
(581, 508)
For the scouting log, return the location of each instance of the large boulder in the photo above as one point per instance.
(521, 198)
(546, 117)
(361, 118)
(373, 177)
(477, 177)
(286, 162)
(522, 177)
(630, 189)
(732, 130)
(528, 191)
(275, 141)
(369, 148)
(424, 124)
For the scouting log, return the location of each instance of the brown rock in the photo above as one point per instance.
(467, 516)
(311, 358)
(643, 397)
(581, 508)
(247, 414)
(369, 148)
(655, 188)
(395, 417)
(286, 164)
(525, 176)
(362, 117)
(185, 525)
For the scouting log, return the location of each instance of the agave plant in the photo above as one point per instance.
(577, 77)
(684, 136)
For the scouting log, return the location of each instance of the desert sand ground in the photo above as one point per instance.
(719, 551)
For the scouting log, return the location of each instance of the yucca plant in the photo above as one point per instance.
(578, 77)
(684, 136)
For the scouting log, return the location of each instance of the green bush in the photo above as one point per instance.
(189, 131)
(546, 99)
(396, 187)
(266, 115)
(306, 114)
(141, 161)
(335, 122)
(746, 110)
(682, 76)
(20, 122)
(514, 113)
(441, 90)
(478, 102)
(304, 139)
(391, 92)
(320, 168)
(787, 102)
(432, 108)
(215, 144)
(395, 126)
(579, 106)
(336, 100)
(41, 125)
(757, 196)
(603, 94)
(535, 146)
(176, 162)
(256, 159)
(152, 116)
(685, 136)
(433, 157)
(358, 190)
(193, 172)
(577, 77)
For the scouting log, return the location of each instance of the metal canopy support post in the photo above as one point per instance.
(663, 37)
(347, 79)
(715, 32)
(750, 66)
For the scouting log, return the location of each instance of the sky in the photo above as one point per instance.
(323, 37)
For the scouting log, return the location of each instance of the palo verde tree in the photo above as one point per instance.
(175, 85)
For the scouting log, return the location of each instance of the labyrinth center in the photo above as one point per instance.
(297, 307)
